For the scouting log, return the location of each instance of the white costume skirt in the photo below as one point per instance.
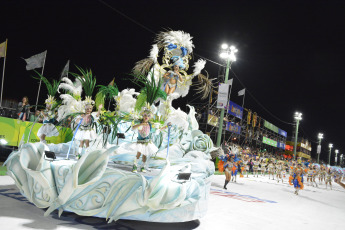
(86, 135)
(49, 130)
(147, 149)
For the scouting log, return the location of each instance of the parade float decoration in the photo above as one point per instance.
(177, 185)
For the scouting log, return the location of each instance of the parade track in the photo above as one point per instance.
(251, 203)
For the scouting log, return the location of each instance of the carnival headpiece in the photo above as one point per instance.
(88, 102)
(50, 100)
(146, 110)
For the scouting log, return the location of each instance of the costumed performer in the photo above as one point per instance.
(48, 128)
(297, 178)
(144, 145)
(256, 167)
(234, 170)
(227, 171)
(279, 169)
(173, 76)
(86, 131)
(329, 176)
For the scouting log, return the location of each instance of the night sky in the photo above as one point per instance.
(291, 53)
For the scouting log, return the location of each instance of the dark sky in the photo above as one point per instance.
(291, 53)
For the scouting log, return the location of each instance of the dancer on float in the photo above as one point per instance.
(86, 131)
(173, 76)
(144, 145)
(48, 128)
(297, 178)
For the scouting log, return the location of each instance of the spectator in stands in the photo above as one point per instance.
(24, 109)
(33, 117)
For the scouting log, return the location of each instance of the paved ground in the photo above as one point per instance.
(251, 203)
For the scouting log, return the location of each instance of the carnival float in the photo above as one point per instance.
(99, 173)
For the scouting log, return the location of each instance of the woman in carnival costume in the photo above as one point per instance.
(245, 168)
(256, 167)
(48, 128)
(144, 145)
(322, 174)
(329, 176)
(234, 170)
(315, 174)
(86, 131)
(173, 76)
(279, 169)
(227, 171)
(271, 169)
(296, 179)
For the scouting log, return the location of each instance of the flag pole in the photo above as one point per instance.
(3, 74)
(39, 87)
(244, 95)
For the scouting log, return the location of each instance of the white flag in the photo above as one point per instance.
(241, 92)
(230, 81)
(65, 70)
(36, 61)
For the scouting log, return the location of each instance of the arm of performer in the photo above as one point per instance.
(99, 110)
(166, 75)
(164, 127)
(179, 75)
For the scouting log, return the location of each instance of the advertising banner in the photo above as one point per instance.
(282, 132)
(232, 127)
(223, 92)
(280, 145)
(13, 130)
(270, 126)
(235, 110)
(9, 130)
(212, 120)
(269, 141)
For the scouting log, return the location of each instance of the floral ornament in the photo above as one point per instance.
(202, 143)
(50, 100)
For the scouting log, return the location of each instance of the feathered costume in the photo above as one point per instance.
(297, 180)
(177, 47)
(48, 128)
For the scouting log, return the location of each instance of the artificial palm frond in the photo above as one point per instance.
(106, 92)
(51, 87)
(87, 80)
(141, 100)
(203, 85)
(151, 89)
(143, 66)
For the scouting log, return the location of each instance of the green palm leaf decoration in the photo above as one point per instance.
(87, 80)
(106, 93)
(151, 90)
(51, 87)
